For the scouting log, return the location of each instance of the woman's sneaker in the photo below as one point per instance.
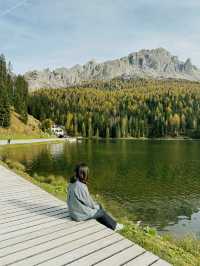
(119, 227)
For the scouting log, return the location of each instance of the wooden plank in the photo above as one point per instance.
(26, 257)
(26, 213)
(32, 228)
(17, 181)
(145, 259)
(22, 188)
(123, 256)
(41, 232)
(70, 256)
(31, 198)
(19, 206)
(14, 191)
(103, 253)
(33, 217)
(20, 226)
(14, 184)
(20, 201)
(8, 179)
(19, 192)
(161, 263)
(69, 228)
(17, 186)
(14, 236)
(28, 205)
(14, 213)
(34, 192)
(22, 196)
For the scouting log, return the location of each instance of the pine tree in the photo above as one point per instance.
(4, 109)
(83, 130)
(21, 97)
(3, 71)
(107, 132)
(90, 131)
(97, 133)
(69, 123)
(4, 95)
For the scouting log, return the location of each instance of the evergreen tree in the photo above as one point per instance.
(90, 131)
(137, 108)
(4, 109)
(3, 71)
(97, 133)
(21, 97)
(107, 132)
(4, 95)
(83, 130)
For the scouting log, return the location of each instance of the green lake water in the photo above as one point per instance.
(156, 182)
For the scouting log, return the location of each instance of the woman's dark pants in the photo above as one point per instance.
(102, 217)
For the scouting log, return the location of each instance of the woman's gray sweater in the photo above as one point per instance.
(81, 205)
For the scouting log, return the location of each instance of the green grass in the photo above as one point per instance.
(20, 130)
(184, 252)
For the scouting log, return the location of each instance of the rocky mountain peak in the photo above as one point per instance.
(156, 63)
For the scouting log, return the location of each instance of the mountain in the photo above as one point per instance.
(155, 64)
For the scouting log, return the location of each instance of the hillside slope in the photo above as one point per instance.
(154, 64)
(123, 109)
(18, 129)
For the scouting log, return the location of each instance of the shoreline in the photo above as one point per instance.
(178, 252)
(143, 139)
(4, 142)
(32, 141)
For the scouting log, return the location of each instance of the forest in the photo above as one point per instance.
(13, 94)
(123, 108)
(109, 109)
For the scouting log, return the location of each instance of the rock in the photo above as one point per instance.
(188, 67)
(156, 63)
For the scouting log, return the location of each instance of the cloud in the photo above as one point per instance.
(12, 8)
(49, 33)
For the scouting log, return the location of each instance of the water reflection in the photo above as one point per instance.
(56, 149)
(156, 182)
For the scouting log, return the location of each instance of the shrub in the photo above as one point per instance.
(15, 165)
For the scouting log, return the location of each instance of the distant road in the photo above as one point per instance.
(27, 141)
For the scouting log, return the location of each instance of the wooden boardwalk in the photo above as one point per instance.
(35, 229)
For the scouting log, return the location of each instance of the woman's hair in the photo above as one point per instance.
(81, 173)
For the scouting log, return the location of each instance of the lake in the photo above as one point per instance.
(156, 182)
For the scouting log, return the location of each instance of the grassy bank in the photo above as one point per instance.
(23, 136)
(20, 130)
(184, 252)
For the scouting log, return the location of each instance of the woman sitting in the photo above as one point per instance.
(81, 205)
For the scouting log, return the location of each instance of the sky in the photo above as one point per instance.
(37, 34)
